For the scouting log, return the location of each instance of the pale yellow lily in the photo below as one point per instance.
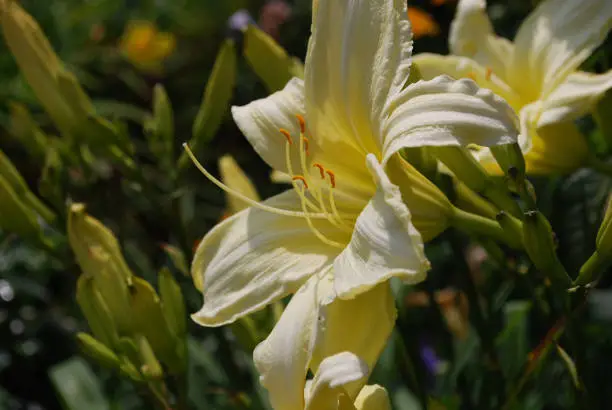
(538, 74)
(344, 223)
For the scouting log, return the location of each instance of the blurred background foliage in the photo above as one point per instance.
(119, 51)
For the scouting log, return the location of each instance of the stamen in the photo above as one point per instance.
(302, 123)
(300, 178)
(314, 230)
(287, 135)
(488, 73)
(246, 199)
(305, 140)
(332, 178)
(471, 76)
(321, 169)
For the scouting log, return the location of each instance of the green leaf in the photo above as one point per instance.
(512, 342)
(77, 386)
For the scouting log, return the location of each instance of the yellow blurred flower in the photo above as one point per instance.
(145, 46)
(422, 23)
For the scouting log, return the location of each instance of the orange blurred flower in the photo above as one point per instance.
(145, 46)
(422, 23)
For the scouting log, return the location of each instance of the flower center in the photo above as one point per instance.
(316, 196)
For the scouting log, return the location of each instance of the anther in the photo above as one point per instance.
(287, 135)
(301, 178)
(302, 123)
(488, 73)
(321, 169)
(332, 178)
(305, 140)
(471, 76)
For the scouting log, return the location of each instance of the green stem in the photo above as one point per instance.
(484, 329)
(470, 201)
(476, 224)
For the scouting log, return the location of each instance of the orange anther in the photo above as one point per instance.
(302, 123)
(332, 178)
(287, 135)
(471, 76)
(301, 178)
(321, 169)
(488, 73)
(306, 145)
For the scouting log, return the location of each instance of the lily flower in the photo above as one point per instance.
(335, 133)
(538, 74)
(320, 332)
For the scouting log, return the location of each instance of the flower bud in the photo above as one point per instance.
(98, 351)
(509, 156)
(173, 304)
(14, 179)
(40, 66)
(16, 216)
(160, 127)
(27, 132)
(269, 60)
(150, 321)
(602, 257)
(540, 246)
(99, 256)
(150, 368)
(430, 208)
(96, 311)
(216, 100)
(235, 178)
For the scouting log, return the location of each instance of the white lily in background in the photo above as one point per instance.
(538, 73)
(337, 134)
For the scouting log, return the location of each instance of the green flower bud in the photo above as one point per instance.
(150, 321)
(41, 67)
(99, 256)
(539, 243)
(14, 179)
(96, 311)
(602, 257)
(216, 100)
(150, 367)
(173, 304)
(27, 132)
(509, 156)
(17, 217)
(269, 60)
(98, 351)
(160, 126)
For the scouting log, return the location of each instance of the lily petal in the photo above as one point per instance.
(261, 121)
(282, 359)
(384, 244)
(361, 326)
(329, 381)
(471, 35)
(256, 257)
(358, 56)
(557, 37)
(432, 65)
(575, 97)
(373, 397)
(444, 111)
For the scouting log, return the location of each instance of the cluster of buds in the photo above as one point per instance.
(135, 330)
(21, 211)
